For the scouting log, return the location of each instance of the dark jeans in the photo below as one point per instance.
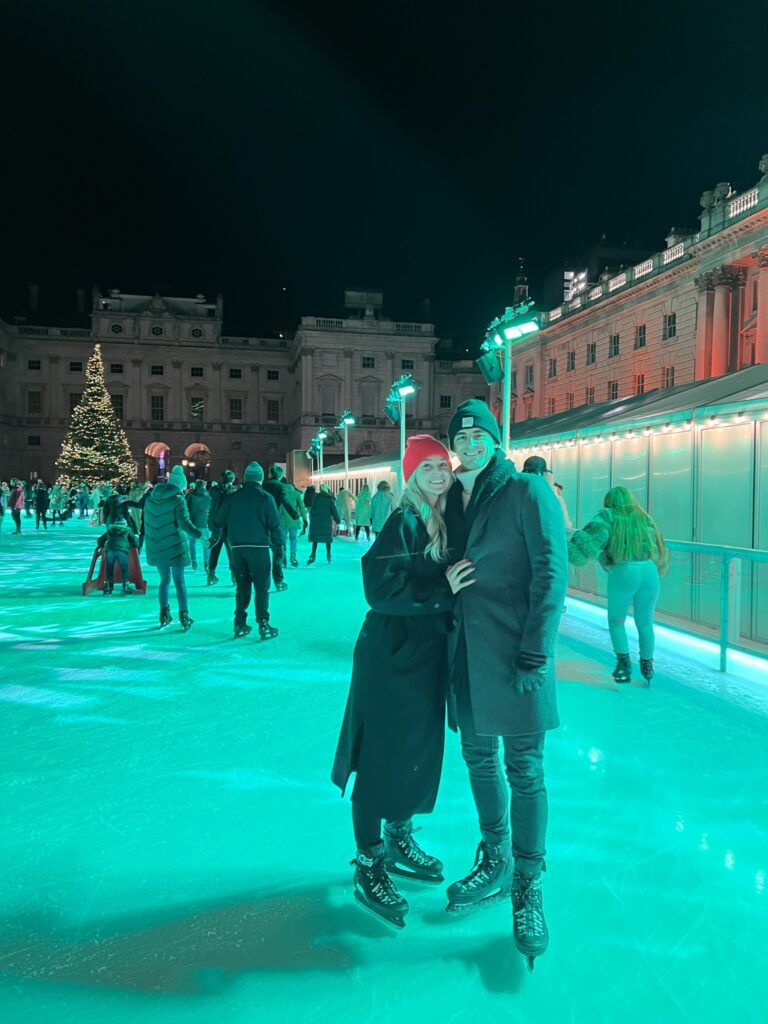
(367, 531)
(251, 566)
(164, 590)
(278, 561)
(213, 555)
(122, 558)
(524, 770)
(367, 827)
(16, 516)
(41, 515)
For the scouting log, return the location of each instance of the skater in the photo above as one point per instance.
(293, 515)
(116, 543)
(166, 524)
(538, 467)
(345, 505)
(42, 504)
(509, 528)
(227, 486)
(363, 512)
(322, 516)
(381, 507)
(250, 518)
(393, 730)
(199, 505)
(16, 504)
(4, 493)
(277, 488)
(631, 549)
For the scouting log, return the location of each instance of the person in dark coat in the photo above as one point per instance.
(166, 524)
(322, 515)
(276, 486)
(199, 505)
(42, 504)
(392, 734)
(509, 528)
(227, 486)
(249, 515)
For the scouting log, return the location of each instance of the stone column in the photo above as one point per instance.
(704, 318)
(56, 409)
(761, 336)
(142, 412)
(217, 410)
(738, 305)
(306, 380)
(428, 410)
(256, 411)
(175, 410)
(721, 322)
(348, 353)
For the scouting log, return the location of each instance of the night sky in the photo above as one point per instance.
(421, 147)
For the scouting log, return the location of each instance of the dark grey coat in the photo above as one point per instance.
(322, 515)
(394, 724)
(517, 542)
(166, 525)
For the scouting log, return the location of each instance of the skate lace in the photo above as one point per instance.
(529, 916)
(383, 887)
(480, 871)
(411, 849)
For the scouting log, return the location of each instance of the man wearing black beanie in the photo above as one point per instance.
(506, 529)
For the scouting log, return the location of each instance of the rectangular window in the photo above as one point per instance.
(34, 403)
(613, 390)
(74, 401)
(754, 300)
(369, 399)
(446, 401)
(368, 363)
(591, 353)
(638, 382)
(613, 345)
(118, 404)
(669, 376)
(670, 326)
(157, 407)
(197, 408)
(514, 382)
(552, 368)
(235, 408)
(273, 375)
(156, 371)
(406, 364)
(33, 440)
(115, 367)
(569, 399)
(328, 399)
(75, 367)
(529, 410)
(640, 336)
(589, 396)
(570, 363)
(529, 376)
(273, 410)
(235, 373)
(551, 406)
(196, 371)
(33, 364)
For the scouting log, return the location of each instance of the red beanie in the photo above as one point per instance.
(421, 447)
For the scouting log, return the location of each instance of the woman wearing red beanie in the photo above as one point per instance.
(393, 730)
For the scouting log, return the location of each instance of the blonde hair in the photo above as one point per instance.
(634, 534)
(433, 518)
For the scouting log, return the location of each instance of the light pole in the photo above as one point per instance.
(516, 323)
(395, 410)
(347, 420)
(322, 437)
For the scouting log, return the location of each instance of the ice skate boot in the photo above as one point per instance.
(623, 671)
(530, 928)
(185, 621)
(108, 587)
(267, 632)
(311, 560)
(646, 670)
(282, 585)
(404, 856)
(374, 888)
(211, 578)
(242, 630)
(165, 616)
(294, 562)
(489, 881)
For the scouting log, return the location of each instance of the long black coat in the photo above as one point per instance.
(394, 724)
(321, 515)
(514, 532)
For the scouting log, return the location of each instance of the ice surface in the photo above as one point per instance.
(174, 850)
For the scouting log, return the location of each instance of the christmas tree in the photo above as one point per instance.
(95, 449)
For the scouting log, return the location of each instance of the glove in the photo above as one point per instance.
(530, 680)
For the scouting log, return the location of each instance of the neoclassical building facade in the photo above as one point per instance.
(186, 391)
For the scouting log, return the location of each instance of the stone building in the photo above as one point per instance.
(697, 309)
(186, 391)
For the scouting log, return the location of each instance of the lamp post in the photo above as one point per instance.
(516, 323)
(347, 420)
(322, 436)
(395, 409)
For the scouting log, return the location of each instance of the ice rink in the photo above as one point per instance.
(175, 852)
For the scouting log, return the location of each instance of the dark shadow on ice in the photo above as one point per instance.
(191, 950)
(500, 965)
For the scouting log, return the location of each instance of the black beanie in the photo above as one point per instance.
(473, 413)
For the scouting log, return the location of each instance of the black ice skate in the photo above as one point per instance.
(109, 586)
(489, 881)
(242, 630)
(282, 585)
(405, 857)
(375, 890)
(530, 928)
(211, 579)
(646, 670)
(623, 671)
(165, 616)
(267, 632)
(185, 621)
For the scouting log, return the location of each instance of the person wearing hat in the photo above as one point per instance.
(249, 516)
(509, 529)
(166, 525)
(225, 487)
(392, 734)
(538, 466)
(381, 506)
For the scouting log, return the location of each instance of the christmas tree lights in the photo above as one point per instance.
(96, 449)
